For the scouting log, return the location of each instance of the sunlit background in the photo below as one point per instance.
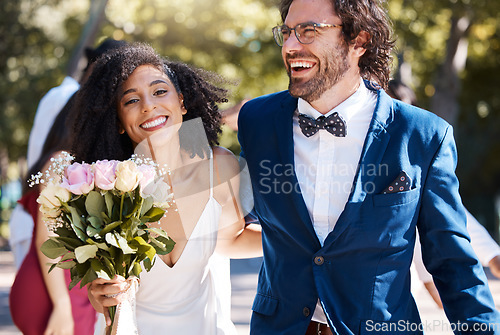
(447, 51)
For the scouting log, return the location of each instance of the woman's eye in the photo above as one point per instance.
(131, 101)
(160, 92)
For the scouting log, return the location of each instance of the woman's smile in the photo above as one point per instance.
(154, 124)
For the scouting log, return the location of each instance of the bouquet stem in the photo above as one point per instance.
(112, 313)
(123, 321)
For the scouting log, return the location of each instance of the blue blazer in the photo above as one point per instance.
(362, 273)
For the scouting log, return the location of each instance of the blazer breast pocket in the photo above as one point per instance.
(264, 304)
(396, 199)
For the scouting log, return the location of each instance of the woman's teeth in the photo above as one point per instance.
(154, 123)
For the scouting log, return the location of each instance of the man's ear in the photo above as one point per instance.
(359, 43)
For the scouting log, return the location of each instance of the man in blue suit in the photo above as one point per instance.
(342, 176)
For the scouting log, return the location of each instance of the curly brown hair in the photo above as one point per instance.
(369, 16)
(96, 124)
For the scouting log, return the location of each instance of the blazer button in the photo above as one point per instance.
(319, 260)
(306, 311)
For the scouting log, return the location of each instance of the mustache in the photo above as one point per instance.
(297, 55)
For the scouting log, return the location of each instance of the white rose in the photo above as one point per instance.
(50, 212)
(128, 176)
(160, 192)
(53, 196)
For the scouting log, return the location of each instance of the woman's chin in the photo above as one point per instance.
(157, 140)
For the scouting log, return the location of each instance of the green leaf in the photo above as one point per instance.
(148, 264)
(136, 269)
(109, 268)
(64, 231)
(76, 218)
(119, 263)
(108, 199)
(120, 242)
(102, 246)
(79, 270)
(90, 275)
(68, 256)
(85, 252)
(53, 249)
(79, 232)
(127, 205)
(70, 242)
(74, 281)
(169, 244)
(162, 245)
(92, 232)
(136, 204)
(146, 206)
(145, 247)
(154, 214)
(95, 204)
(157, 231)
(110, 227)
(52, 266)
(66, 264)
(95, 221)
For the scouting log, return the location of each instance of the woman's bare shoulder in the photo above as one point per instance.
(227, 163)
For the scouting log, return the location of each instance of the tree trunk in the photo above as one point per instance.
(447, 83)
(96, 16)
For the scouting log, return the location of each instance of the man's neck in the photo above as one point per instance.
(337, 94)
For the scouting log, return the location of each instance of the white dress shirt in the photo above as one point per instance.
(48, 108)
(325, 164)
(20, 222)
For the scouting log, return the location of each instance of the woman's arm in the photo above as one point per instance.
(61, 318)
(235, 239)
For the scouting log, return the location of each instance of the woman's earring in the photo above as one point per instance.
(184, 110)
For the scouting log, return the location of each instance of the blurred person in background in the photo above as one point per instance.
(21, 222)
(40, 302)
(485, 247)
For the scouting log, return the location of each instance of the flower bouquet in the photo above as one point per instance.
(102, 215)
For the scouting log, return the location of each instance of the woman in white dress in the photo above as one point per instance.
(135, 100)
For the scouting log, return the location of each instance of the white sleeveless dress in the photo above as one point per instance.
(183, 299)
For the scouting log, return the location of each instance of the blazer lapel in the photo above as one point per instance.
(374, 148)
(283, 122)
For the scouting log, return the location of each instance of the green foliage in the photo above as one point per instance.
(233, 38)
(102, 237)
(32, 60)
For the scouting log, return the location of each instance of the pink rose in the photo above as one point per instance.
(148, 177)
(104, 174)
(78, 178)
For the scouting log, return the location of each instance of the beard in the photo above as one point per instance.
(331, 70)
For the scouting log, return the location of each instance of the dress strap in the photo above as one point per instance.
(211, 172)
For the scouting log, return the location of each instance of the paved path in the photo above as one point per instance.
(244, 282)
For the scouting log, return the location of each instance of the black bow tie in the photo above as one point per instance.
(334, 124)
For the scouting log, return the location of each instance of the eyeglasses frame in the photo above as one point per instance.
(276, 29)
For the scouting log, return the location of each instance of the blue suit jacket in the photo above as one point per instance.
(361, 274)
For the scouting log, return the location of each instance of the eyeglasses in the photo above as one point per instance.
(305, 32)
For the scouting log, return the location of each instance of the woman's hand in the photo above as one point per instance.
(105, 293)
(60, 321)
